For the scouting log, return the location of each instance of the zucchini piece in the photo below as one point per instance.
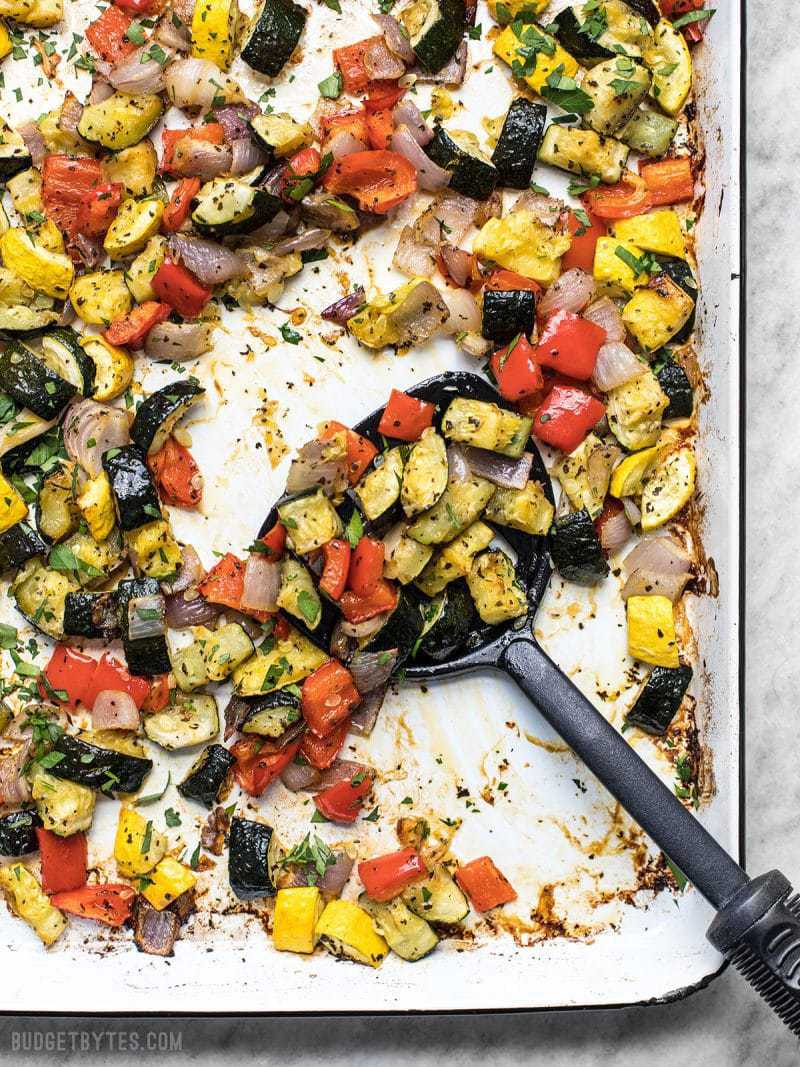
(57, 514)
(133, 226)
(647, 9)
(21, 427)
(106, 769)
(459, 152)
(279, 135)
(278, 663)
(18, 545)
(517, 147)
(585, 490)
(14, 154)
(425, 473)
(135, 495)
(24, 319)
(508, 313)
(310, 520)
(435, 29)
(121, 120)
(648, 132)
(146, 656)
(40, 594)
(206, 777)
(18, 833)
(575, 549)
(438, 898)
(527, 46)
(157, 416)
(272, 715)
(226, 206)
(676, 385)
(379, 490)
(400, 631)
(185, 722)
(91, 615)
(298, 595)
(87, 560)
(681, 273)
(485, 425)
(65, 356)
(32, 384)
(659, 700)
(450, 629)
(223, 649)
(407, 935)
(405, 557)
(457, 508)
(27, 900)
(595, 32)
(64, 807)
(253, 856)
(157, 553)
(455, 560)
(526, 509)
(272, 36)
(668, 488)
(616, 88)
(670, 61)
(584, 152)
(189, 667)
(493, 585)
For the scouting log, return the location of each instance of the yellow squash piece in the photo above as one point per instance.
(168, 881)
(294, 924)
(670, 61)
(40, 13)
(49, 236)
(511, 48)
(613, 271)
(121, 120)
(25, 190)
(97, 506)
(657, 312)
(493, 585)
(385, 320)
(585, 473)
(45, 271)
(669, 488)
(656, 231)
(113, 367)
(5, 41)
(144, 268)
(526, 509)
(64, 807)
(635, 409)
(135, 167)
(651, 631)
(289, 661)
(214, 31)
(58, 141)
(27, 900)
(346, 930)
(12, 507)
(157, 552)
(138, 846)
(520, 242)
(136, 222)
(628, 478)
(101, 296)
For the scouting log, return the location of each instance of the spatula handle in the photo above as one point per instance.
(624, 774)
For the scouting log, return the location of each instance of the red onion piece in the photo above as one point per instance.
(114, 710)
(67, 315)
(381, 64)
(138, 74)
(502, 470)
(615, 365)
(146, 617)
(465, 315)
(312, 466)
(199, 83)
(615, 532)
(571, 292)
(181, 613)
(342, 771)
(632, 511)
(457, 466)
(262, 583)
(194, 158)
(605, 313)
(234, 119)
(363, 719)
(101, 90)
(341, 311)
(451, 74)
(334, 879)
(14, 788)
(245, 155)
(176, 342)
(311, 239)
(90, 249)
(71, 112)
(458, 263)
(430, 176)
(154, 932)
(342, 143)
(34, 142)
(235, 713)
(406, 113)
(395, 37)
(252, 627)
(90, 429)
(300, 777)
(412, 257)
(192, 572)
(171, 36)
(210, 262)
(372, 670)
(656, 566)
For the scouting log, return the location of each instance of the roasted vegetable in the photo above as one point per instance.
(185, 722)
(435, 29)
(207, 775)
(668, 57)
(157, 416)
(407, 935)
(546, 59)
(651, 630)
(635, 410)
(107, 769)
(100, 297)
(272, 35)
(121, 120)
(493, 584)
(18, 833)
(287, 662)
(214, 24)
(575, 548)
(676, 385)
(660, 699)
(507, 313)
(138, 846)
(135, 495)
(515, 153)
(64, 807)
(459, 152)
(135, 223)
(668, 488)
(520, 242)
(656, 313)
(146, 654)
(485, 425)
(294, 923)
(347, 930)
(27, 900)
(310, 521)
(584, 152)
(32, 383)
(166, 882)
(253, 852)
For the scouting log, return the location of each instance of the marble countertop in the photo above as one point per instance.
(725, 1024)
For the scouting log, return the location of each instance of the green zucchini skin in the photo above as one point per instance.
(18, 833)
(248, 859)
(273, 36)
(401, 630)
(575, 549)
(146, 656)
(518, 144)
(83, 368)
(156, 416)
(93, 615)
(14, 155)
(19, 544)
(437, 47)
(647, 9)
(132, 487)
(281, 706)
(265, 206)
(471, 176)
(454, 624)
(207, 775)
(659, 701)
(673, 380)
(566, 28)
(99, 768)
(32, 384)
(508, 313)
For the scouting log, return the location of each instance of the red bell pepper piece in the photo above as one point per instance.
(387, 876)
(485, 886)
(621, 201)
(350, 61)
(133, 329)
(510, 280)
(405, 417)
(342, 802)
(357, 608)
(327, 697)
(98, 208)
(68, 676)
(566, 416)
(173, 284)
(336, 565)
(320, 752)
(107, 33)
(176, 475)
(584, 241)
(383, 95)
(570, 344)
(213, 132)
(139, 7)
(65, 181)
(669, 181)
(352, 122)
(379, 180)
(159, 695)
(274, 541)
(63, 860)
(516, 372)
(380, 127)
(110, 903)
(111, 674)
(366, 567)
(254, 771)
(360, 450)
(224, 584)
(180, 204)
